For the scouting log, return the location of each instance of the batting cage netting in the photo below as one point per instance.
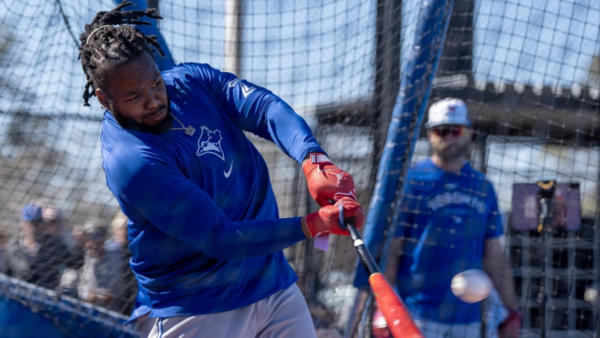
(363, 74)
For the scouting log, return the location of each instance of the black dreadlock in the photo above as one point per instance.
(112, 46)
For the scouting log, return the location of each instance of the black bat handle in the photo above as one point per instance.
(363, 253)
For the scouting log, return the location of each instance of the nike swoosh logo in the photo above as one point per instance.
(228, 173)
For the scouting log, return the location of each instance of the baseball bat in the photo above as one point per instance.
(399, 321)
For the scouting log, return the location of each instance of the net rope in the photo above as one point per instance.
(528, 71)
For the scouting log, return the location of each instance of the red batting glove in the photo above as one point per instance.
(327, 182)
(326, 220)
(511, 326)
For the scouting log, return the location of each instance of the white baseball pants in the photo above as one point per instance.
(283, 314)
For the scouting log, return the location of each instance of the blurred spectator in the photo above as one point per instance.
(38, 253)
(70, 277)
(105, 278)
(95, 275)
(119, 232)
(3, 242)
(119, 243)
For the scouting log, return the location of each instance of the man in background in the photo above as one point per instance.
(449, 223)
(116, 246)
(3, 241)
(38, 253)
(104, 276)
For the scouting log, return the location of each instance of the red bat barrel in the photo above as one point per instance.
(397, 316)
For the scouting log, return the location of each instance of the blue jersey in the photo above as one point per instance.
(446, 219)
(204, 230)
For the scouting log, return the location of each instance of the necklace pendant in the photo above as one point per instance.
(190, 130)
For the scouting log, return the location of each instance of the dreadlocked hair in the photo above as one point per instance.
(105, 45)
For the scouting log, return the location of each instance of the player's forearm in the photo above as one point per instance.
(289, 131)
(502, 277)
(507, 293)
(246, 239)
(259, 111)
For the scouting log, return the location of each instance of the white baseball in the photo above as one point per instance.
(591, 294)
(471, 286)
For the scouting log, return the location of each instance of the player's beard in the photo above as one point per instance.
(127, 123)
(120, 118)
(451, 152)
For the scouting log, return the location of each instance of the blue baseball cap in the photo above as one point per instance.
(31, 213)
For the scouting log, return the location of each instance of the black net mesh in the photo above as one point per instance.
(528, 72)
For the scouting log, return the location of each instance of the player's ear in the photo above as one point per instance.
(102, 97)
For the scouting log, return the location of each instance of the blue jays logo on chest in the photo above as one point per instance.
(210, 143)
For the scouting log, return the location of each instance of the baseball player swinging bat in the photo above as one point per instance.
(397, 316)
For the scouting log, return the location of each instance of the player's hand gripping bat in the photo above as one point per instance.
(397, 316)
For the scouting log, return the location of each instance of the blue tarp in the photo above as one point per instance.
(27, 310)
(19, 321)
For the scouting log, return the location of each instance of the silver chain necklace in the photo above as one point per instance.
(189, 130)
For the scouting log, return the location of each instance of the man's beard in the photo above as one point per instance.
(127, 123)
(120, 118)
(459, 151)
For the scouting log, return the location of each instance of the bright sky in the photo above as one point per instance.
(310, 52)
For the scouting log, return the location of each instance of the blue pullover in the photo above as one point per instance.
(204, 228)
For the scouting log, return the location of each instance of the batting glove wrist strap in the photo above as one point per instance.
(319, 158)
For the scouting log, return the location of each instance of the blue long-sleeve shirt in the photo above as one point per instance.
(204, 229)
